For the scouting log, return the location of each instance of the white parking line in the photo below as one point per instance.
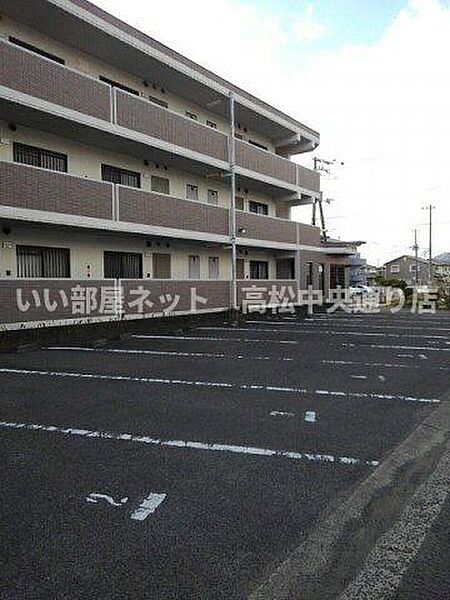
(326, 331)
(402, 327)
(167, 353)
(358, 376)
(273, 341)
(209, 339)
(370, 325)
(392, 347)
(217, 384)
(215, 447)
(381, 364)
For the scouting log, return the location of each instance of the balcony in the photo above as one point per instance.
(308, 179)
(259, 227)
(254, 159)
(22, 186)
(158, 122)
(309, 235)
(31, 74)
(38, 77)
(159, 210)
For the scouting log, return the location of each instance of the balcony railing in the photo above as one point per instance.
(308, 179)
(26, 72)
(22, 186)
(42, 78)
(161, 123)
(261, 161)
(259, 227)
(308, 235)
(159, 210)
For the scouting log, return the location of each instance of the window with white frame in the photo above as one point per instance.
(160, 184)
(37, 261)
(194, 266)
(213, 264)
(259, 269)
(39, 157)
(213, 197)
(191, 192)
(258, 207)
(394, 269)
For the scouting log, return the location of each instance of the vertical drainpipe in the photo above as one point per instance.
(297, 268)
(232, 160)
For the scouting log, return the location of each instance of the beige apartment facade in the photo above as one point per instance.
(135, 183)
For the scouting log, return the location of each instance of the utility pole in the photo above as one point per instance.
(416, 255)
(232, 160)
(430, 208)
(322, 166)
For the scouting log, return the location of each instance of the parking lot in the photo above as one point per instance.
(190, 464)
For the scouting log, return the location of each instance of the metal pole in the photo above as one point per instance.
(232, 159)
(430, 250)
(416, 254)
(322, 218)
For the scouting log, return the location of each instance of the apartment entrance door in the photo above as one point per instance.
(240, 270)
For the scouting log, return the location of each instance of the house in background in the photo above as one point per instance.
(126, 166)
(412, 271)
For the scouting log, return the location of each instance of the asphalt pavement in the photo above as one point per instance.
(190, 464)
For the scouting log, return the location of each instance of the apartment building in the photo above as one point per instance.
(134, 182)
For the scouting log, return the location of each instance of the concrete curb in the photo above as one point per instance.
(305, 570)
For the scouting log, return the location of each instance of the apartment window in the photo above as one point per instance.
(191, 115)
(194, 267)
(118, 85)
(155, 100)
(259, 269)
(394, 269)
(121, 176)
(239, 201)
(211, 124)
(213, 265)
(36, 50)
(337, 276)
(309, 274)
(36, 261)
(161, 265)
(122, 265)
(191, 192)
(39, 157)
(213, 197)
(413, 268)
(257, 144)
(258, 207)
(160, 184)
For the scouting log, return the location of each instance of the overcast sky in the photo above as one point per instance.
(372, 76)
